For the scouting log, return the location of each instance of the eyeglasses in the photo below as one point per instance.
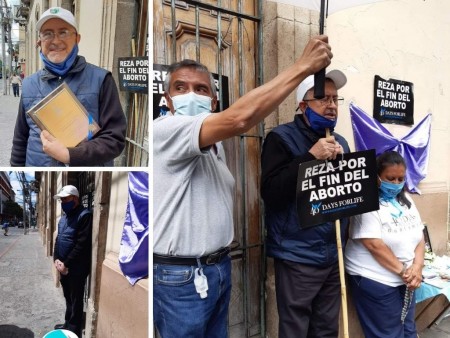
(50, 35)
(337, 100)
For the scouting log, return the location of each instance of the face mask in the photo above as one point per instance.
(389, 191)
(67, 206)
(191, 104)
(63, 67)
(318, 122)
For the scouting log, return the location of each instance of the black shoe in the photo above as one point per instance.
(60, 326)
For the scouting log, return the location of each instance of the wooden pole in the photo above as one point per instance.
(136, 154)
(341, 269)
(133, 53)
(342, 277)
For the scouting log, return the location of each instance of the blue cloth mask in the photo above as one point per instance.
(389, 191)
(68, 206)
(318, 122)
(191, 104)
(63, 67)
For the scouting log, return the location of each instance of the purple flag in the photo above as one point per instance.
(133, 255)
(414, 147)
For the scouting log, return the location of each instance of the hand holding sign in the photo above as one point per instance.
(326, 149)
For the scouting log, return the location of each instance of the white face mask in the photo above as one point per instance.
(191, 104)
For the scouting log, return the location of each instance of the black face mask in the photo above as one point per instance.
(68, 206)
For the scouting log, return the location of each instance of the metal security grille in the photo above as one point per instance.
(226, 36)
(137, 109)
(86, 188)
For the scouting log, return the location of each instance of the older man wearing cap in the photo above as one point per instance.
(72, 255)
(93, 86)
(306, 263)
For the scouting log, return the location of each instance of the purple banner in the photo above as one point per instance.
(133, 255)
(414, 147)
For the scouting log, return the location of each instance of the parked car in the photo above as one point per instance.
(20, 225)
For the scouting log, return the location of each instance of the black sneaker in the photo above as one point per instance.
(60, 326)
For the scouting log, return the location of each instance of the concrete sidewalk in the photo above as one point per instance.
(30, 304)
(9, 106)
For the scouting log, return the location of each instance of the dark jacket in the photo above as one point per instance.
(73, 245)
(97, 92)
(285, 147)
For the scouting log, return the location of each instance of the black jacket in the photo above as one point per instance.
(285, 147)
(73, 245)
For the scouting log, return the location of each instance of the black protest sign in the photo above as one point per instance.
(393, 101)
(133, 74)
(159, 101)
(329, 190)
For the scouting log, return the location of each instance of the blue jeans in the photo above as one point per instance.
(15, 89)
(379, 309)
(178, 310)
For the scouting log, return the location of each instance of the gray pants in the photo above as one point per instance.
(308, 300)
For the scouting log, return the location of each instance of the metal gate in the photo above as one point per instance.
(85, 182)
(137, 104)
(226, 36)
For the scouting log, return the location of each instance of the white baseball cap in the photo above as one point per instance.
(57, 13)
(335, 75)
(67, 190)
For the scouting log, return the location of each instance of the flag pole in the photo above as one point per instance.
(319, 77)
(341, 269)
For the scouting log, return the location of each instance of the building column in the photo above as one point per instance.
(99, 235)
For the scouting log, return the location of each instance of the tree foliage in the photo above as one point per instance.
(11, 208)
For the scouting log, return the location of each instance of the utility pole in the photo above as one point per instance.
(5, 87)
(26, 197)
(6, 21)
(9, 26)
(6, 27)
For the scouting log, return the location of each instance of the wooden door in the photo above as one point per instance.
(226, 37)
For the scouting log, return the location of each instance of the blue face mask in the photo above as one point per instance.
(63, 67)
(67, 206)
(191, 104)
(389, 191)
(318, 122)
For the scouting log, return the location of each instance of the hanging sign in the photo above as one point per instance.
(159, 101)
(133, 74)
(330, 190)
(393, 101)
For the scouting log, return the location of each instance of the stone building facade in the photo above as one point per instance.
(114, 308)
